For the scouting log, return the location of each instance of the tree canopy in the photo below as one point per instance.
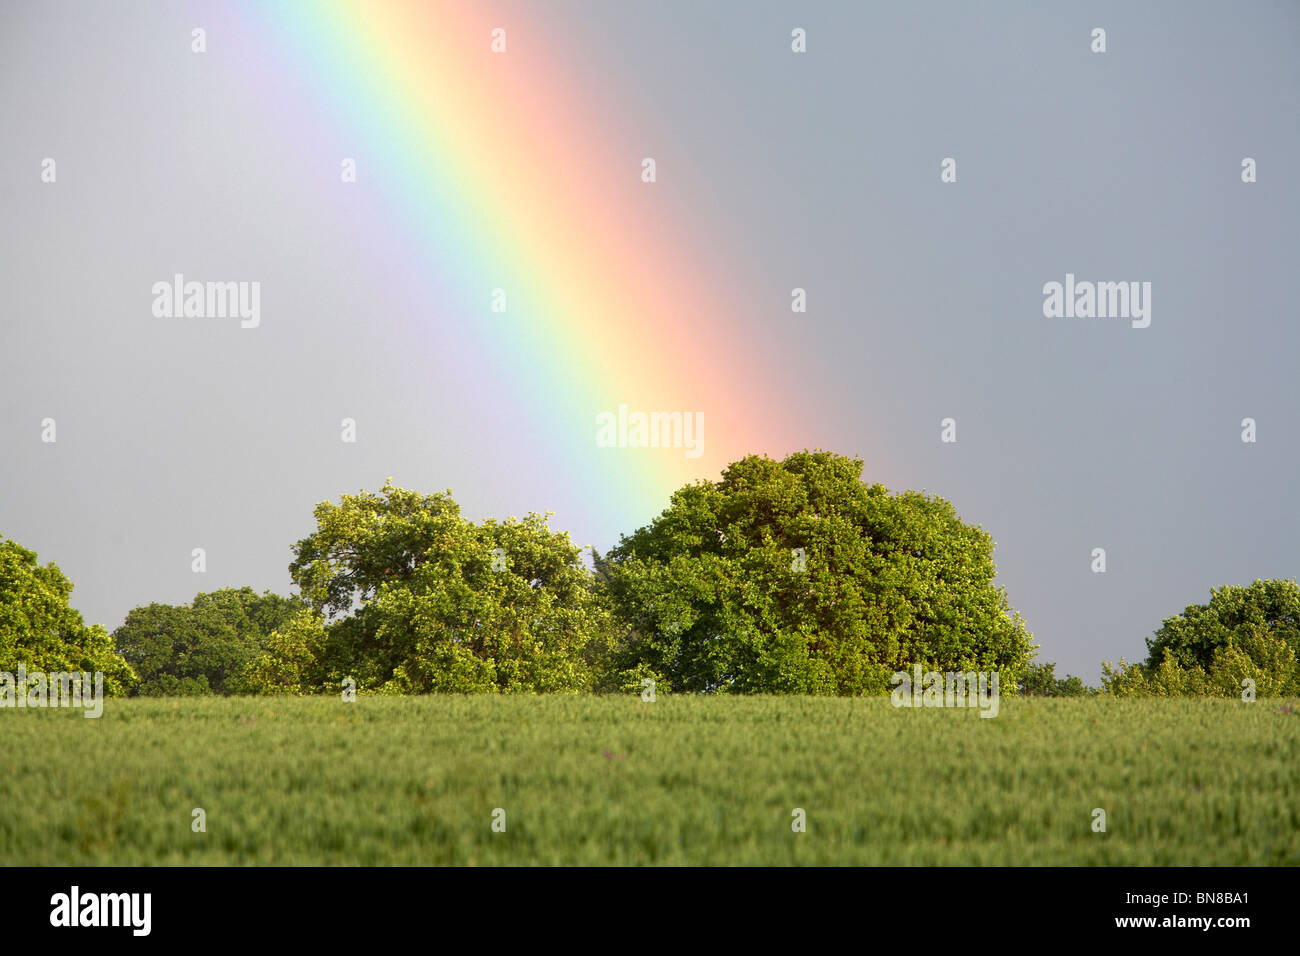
(202, 647)
(790, 576)
(1234, 617)
(416, 598)
(797, 577)
(41, 631)
(1245, 633)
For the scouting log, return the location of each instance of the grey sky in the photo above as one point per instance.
(925, 299)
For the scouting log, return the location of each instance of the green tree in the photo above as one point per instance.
(1041, 681)
(39, 629)
(797, 577)
(293, 661)
(1249, 633)
(418, 599)
(1166, 679)
(1257, 615)
(202, 647)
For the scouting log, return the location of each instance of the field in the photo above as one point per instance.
(683, 780)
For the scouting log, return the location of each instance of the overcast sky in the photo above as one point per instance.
(819, 170)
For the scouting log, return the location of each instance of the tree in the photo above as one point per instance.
(39, 629)
(202, 647)
(293, 660)
(1041, 681)
(419, 599)
(1249, 633)
(797, 577)
(1236, 616)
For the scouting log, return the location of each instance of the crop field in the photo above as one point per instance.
(682, 780)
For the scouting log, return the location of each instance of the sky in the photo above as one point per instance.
(502, 269)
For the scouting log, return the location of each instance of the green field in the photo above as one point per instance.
(683, 780)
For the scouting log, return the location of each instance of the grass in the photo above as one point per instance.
(683, 780)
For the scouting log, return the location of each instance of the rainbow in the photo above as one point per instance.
(491, 172)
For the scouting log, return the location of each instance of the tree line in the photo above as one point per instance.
(784, 577)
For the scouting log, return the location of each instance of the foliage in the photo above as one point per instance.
(418, 599)
(41, 631)
(1041, 681)
(1244, 633)
(1267, 661)
(796, 577)
(202, 647)
(1234, 615)
(292, 661)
